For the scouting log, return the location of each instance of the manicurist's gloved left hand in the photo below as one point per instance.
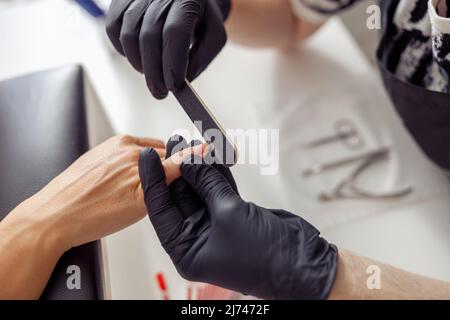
(212, 235)
(168, 40)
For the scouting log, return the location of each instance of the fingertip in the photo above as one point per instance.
(159, 92)
(196, 153)
(135, 63)
(175, 144)
(176, 138)
(148, 153)
(175, 84)
(160, 95)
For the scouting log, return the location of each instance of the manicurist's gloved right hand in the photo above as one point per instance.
(212, 235)
(168, 40)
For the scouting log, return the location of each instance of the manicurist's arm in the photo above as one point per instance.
(267, 23)
(213, 235)
(351, 281)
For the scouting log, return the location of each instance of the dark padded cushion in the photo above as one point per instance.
(43, 129)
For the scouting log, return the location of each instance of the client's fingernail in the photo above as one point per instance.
(210, 148)
(200, 149)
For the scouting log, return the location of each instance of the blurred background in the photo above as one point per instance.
(353, 20)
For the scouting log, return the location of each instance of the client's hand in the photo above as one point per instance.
(97, 195)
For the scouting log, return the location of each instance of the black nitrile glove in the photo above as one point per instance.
(168, 40)
(214, 236)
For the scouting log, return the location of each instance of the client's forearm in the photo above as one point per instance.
(352, 281)
(265, 23)
(29, 250)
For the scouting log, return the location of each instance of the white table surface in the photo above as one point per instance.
(297, 92)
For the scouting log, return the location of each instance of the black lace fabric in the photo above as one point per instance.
(419, 51)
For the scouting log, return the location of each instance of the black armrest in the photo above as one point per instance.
(43, 129)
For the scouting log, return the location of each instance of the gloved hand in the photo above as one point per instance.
(156, 37)
(214, 236)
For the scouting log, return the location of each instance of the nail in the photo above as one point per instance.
(200, 149)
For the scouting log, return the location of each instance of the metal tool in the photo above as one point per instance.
(225, 152)
(321, 167)
(345, 131)
(347, 188)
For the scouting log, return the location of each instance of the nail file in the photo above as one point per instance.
(208, 126)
